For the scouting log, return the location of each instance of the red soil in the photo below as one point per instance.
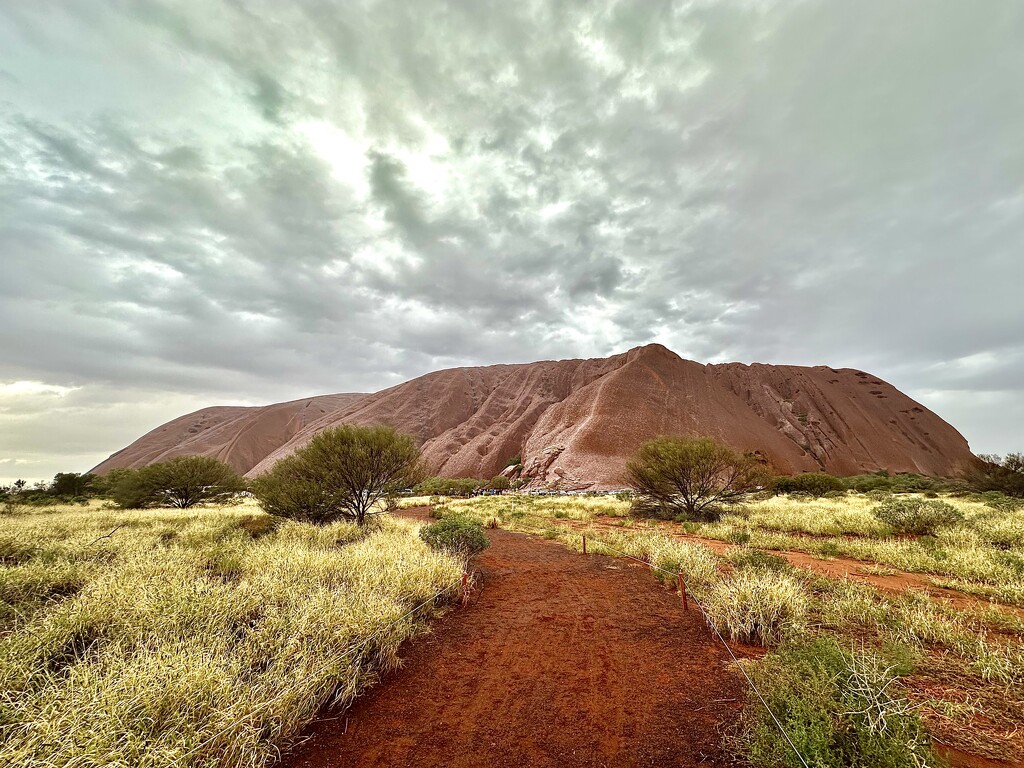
(561, 660)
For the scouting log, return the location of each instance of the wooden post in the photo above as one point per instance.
(682, 591)
(465, 588)
(584, 543)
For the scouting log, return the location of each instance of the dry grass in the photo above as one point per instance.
(205, 637)
(757, 606)
(978, 655)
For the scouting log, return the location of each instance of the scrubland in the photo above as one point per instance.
(212, 636)
(904, 657)
(195, 638)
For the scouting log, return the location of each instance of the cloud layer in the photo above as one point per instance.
(247, 202)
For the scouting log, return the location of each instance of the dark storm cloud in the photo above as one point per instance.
(243, 202)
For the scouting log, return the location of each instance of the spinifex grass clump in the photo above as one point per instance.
(197, 638)
(842, 709)
(756, 605)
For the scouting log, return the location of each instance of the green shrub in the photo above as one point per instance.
(500, 483)
(181, 482)
(342, 473)
(448, 486)
(457, 535)
(814, 484)
(993, 473)
(841, 709)
(750, 557)
(695, 477)
(738, 536)
(917, 516)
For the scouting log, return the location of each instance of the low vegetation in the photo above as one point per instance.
(671, 476)
(956, 672)
(194, 637)
(757, 605)
(916, 515)
(458, 536)
(448, 486)
(343, 474)
(181, 482)
(843, 707)
(1002, 474)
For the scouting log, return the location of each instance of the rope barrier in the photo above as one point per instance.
(324, 667)
(683, 586)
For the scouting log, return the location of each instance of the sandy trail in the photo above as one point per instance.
(562, 660)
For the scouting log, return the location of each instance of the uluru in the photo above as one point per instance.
(573, 423)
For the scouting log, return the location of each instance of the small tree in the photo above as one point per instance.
(73, 484)
(342, 473)
(993, 473)
(181, 482)
(500, 483)
(691, 476)
(185, 481)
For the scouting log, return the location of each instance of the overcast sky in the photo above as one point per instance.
(246, 202)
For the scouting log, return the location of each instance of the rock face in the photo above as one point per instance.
(237, 435)
(575, 422)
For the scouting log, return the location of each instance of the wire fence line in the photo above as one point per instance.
(710, 623)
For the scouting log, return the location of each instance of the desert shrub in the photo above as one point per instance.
(672, 475)
(993, 473)
(1000, 501)
(917, 516)
(751, 557)
(756, 605)
(343, 473)
(448, 486)
(813, 484)
(500, 483)
(456, 535)
(842, 709)
(738, 536)
(181, 482)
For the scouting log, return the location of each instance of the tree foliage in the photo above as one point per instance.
(342, 473)
(811, 483)
(500, 483)
(672, 475)
(448, 486)
(181, 482)
(993, 473)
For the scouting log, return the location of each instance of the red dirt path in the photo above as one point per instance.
(563, 660)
